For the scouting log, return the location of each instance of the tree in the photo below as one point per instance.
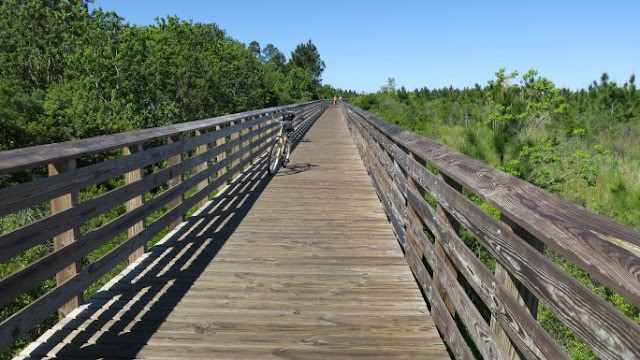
(306, 56)
(254, 48)
(390, 87)
(271, 55)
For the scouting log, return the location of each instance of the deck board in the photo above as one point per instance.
(303, 265)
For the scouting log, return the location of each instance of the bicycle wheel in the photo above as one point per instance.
(275, 157)
(286, 153)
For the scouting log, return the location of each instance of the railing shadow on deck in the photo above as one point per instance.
(130, 308)
(134, 307)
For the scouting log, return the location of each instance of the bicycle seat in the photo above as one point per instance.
(288, 116)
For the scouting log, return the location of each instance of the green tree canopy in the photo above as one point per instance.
(306, 56)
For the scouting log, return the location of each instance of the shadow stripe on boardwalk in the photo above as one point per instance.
(303, 265)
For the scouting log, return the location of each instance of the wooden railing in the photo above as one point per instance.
(422, 186)
(169, 170)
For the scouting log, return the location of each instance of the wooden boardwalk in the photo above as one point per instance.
(303, 265)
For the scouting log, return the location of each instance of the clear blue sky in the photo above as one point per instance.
(428, 43)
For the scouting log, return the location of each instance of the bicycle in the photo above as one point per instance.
(281, 148)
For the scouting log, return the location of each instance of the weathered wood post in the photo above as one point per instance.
(59, 204)
(515, 287)
(222, 155)
(202, 167)
(175, 160)
(135, 202)
(455, 225)
(412, 215)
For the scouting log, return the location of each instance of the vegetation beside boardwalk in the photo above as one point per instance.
(583, 145)
(69, 73)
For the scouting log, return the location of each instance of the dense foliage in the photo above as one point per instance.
(68, 73)
(583, 145)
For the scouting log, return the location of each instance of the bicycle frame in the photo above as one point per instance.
(282, 148)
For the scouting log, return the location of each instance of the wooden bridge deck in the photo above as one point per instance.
(300, 266)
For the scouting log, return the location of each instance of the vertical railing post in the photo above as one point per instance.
(202, 167)
(263, 135)
(133, 203)
(514, 287)
(60, 204)
(175, 160)
(245, 143)
(412, 215)
(222, 154)
(402, 201)
(455, 225)
(234, 136)
(255, 138)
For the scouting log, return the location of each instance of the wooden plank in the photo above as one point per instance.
(222, 155)
(21, 239)
(519, 324)
(28, 277)
(202, 167)
(444, 322)
(37, 191)
(244, 132)
(176, 181)
(134, 202)
(66, 238)
(524, 297)
(534, 343)
(234, 149)
(413, 217)
(570, 301)
(606, 250)
(262, 294)
(441, 316)
(38, 310)
(27, 158)
(455, 226)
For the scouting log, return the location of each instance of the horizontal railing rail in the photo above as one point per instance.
(422, 185)
(154, 177)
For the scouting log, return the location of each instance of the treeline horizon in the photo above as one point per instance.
(69, 73)
(425, 88)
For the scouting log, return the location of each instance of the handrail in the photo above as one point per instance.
(27, 158)
(175, 166)
(398, 162)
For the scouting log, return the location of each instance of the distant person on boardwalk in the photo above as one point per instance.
(335, 100)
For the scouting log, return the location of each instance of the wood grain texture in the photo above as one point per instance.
(455, 226)
(14, 242)
(65, 238)
(135, 202)
(581, 310)
(273, 268)
(606, 250)
(529, 336)
(449, 288)
(202, 167)
(446, 325)
(27, 158)
(33, 274)
(37, 311)
(519, 292)
(34, 192)
(176, 181)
